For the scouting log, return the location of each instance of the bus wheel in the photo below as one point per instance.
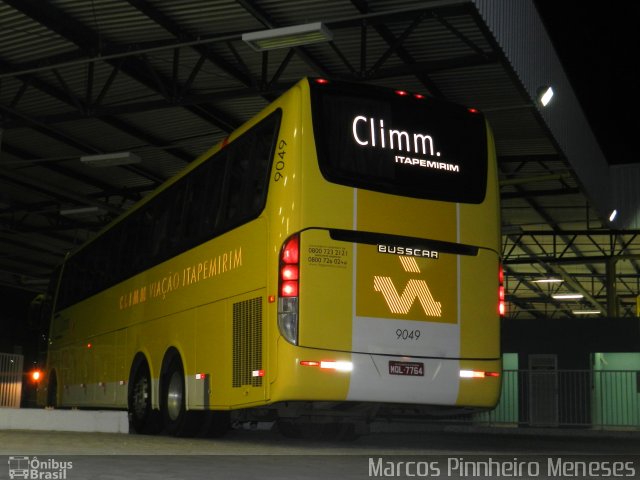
(177, 420)
(142, 418)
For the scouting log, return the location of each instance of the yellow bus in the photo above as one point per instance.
(336, 257)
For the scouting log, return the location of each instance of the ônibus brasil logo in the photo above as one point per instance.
(415, 289)
(33, 468)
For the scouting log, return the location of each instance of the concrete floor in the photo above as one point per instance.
(263, 454)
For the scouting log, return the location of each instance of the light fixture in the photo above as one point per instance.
(586, 312)
(548, 280)
(545, 94)
(567, 296)
(110, 159)
(81, 211)
(613, 215)
(288, 37)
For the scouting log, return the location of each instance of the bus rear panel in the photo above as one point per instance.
(397, 272)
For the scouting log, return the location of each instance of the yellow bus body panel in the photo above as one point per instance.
(191, 302)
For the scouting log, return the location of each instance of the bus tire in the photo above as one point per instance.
(177, 420)
(142, 418)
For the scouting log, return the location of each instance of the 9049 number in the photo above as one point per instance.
(406, 334)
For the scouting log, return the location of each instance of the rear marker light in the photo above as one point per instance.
(340, 366)
(402, 93)
(501, 300)
(309, 363)
(477, 374)
(322, 81)
(201, 376)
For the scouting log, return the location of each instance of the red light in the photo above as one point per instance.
(89, 345)
(502, 309)
(402, 93)
(419, 96)
(290, 252)
(309, 363)
(36, 375)
(477, 374)
(289, 272)
(473, 110)
(322, 81)
(289, 289)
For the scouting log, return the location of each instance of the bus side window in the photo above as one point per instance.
(249, 157)
(203, 201)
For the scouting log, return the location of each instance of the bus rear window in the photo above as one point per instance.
(393, 142)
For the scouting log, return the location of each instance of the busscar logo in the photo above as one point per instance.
(401, 303)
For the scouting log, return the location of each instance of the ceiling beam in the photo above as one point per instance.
(90, 43)
(54, 191)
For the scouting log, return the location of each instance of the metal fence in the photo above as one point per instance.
(567, 398)
(10, 379)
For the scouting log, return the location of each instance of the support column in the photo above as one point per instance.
(612, 295)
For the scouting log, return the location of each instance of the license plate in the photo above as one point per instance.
(413, 369)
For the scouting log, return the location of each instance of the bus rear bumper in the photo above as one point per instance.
(325, 375)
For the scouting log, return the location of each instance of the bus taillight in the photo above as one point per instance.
(291, 251)
(501, 302)
(477, 374)
(289, 289)
(289, 272)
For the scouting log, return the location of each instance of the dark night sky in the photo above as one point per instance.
(599, 46)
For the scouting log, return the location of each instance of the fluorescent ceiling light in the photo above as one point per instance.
(545, 96)
(81, 211)
(548, 280)
(586, 312)
(110, 159)
(613, 215)
(288, 37)
(567, 296)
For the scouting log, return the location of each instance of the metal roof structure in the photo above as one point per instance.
(168, 79)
